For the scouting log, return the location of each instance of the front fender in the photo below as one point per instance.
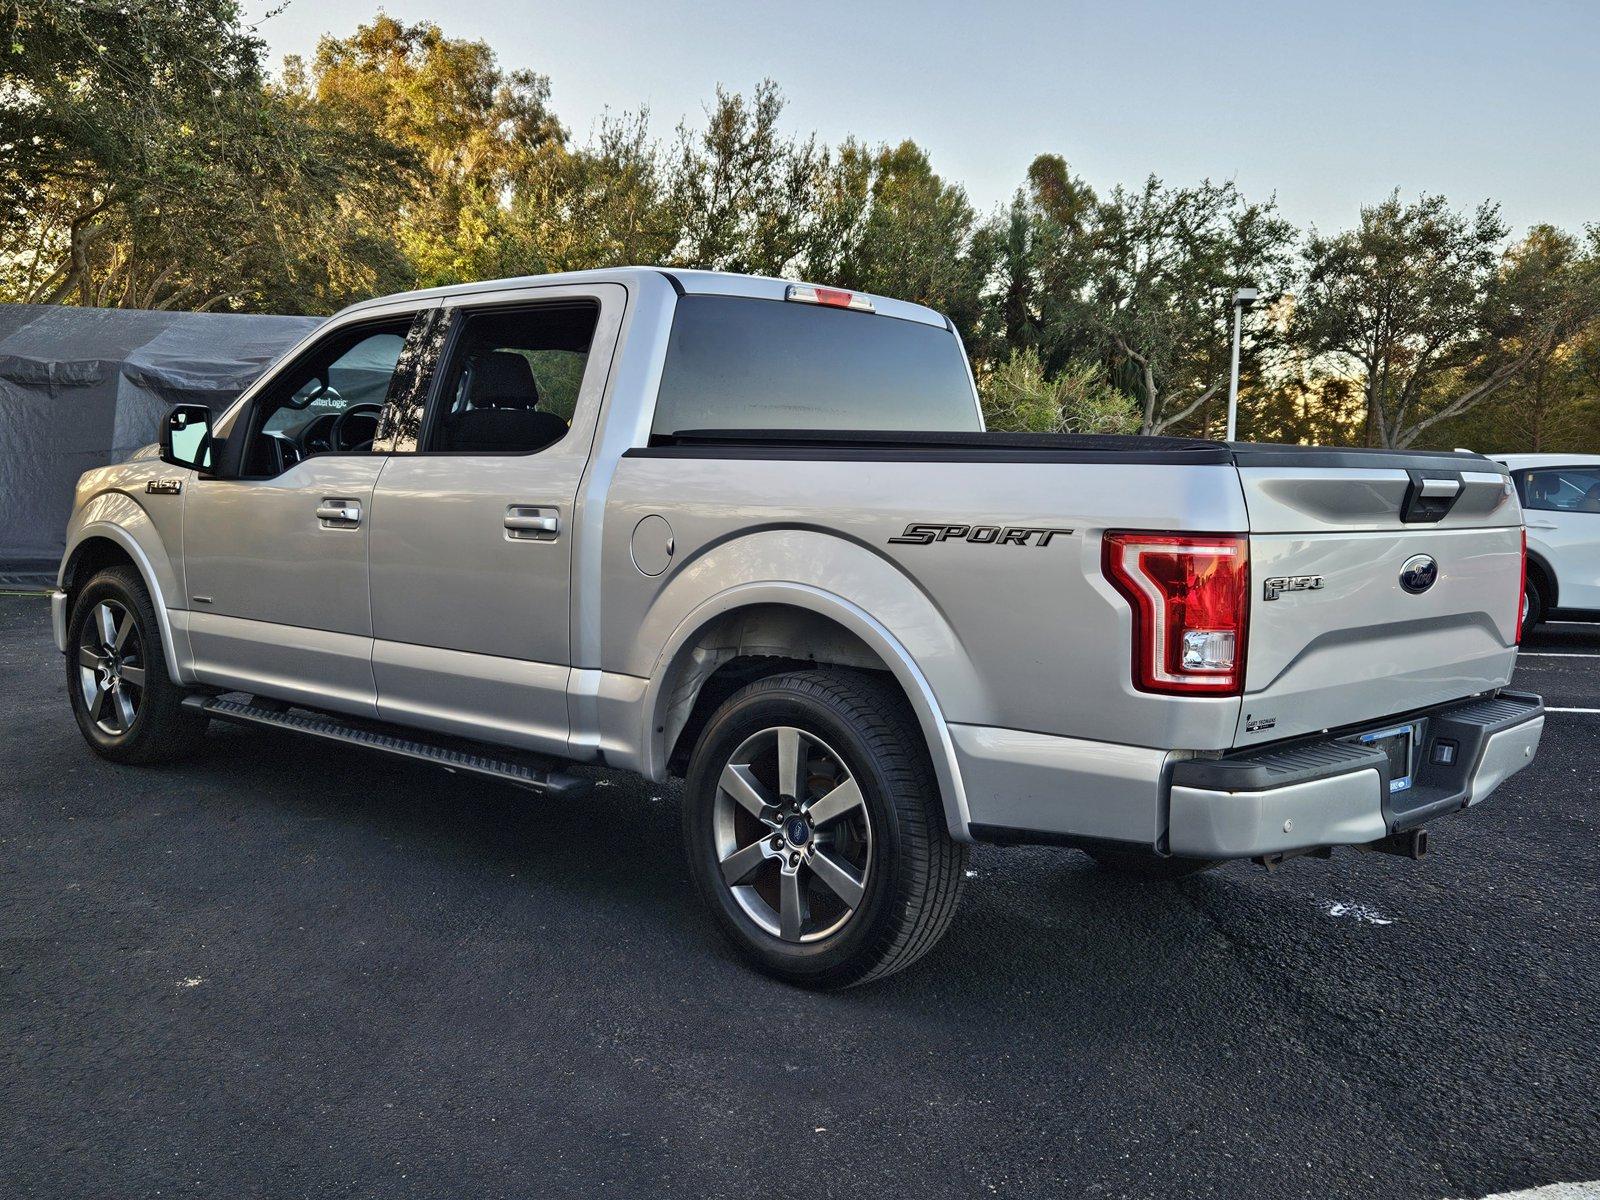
(117, 517)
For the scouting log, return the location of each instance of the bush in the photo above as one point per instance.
(1019, 397)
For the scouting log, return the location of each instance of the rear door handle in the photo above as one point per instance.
(340, 513)
(529, 522)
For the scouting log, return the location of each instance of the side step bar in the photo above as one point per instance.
(528, 772)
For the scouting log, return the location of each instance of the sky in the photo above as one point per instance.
(1325, 105)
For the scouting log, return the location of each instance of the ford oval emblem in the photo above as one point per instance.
(1418, 573)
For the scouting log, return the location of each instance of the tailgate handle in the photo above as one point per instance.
(1430, 496)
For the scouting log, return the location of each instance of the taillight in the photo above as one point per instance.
(805, 293)
(1190, 595)
(1522, 589)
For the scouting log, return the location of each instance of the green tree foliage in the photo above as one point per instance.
(600, 205)
(744, 194)
(152, 164)
(1419, 303)
(464, 130)
(1018, 395)
(888, 224)
(1153, 278)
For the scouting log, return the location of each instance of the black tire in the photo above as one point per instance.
(1150, 867)
(1533, 603)
(914, 871)
(161, 729)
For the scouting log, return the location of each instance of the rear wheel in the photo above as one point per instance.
(815, 832)
(1532, 605)
(1152, 867)
(127, 706)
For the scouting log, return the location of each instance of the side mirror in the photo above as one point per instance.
(186, 437)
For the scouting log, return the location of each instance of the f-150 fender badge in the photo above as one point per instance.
(164, 487)
(982, 535)
(1272, 588)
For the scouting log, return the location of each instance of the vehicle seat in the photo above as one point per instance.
(500, 411)
(1591, 500)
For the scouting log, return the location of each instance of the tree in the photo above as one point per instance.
(601, 205)
(1541, 314)
(464, 131)
(744, 196)
(886, 223)
(153, 166)
(1018, 395)
(1147, 277)
(1420, 303)
(1044, 223)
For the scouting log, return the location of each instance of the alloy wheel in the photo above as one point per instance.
(111, 667)
(793, 836)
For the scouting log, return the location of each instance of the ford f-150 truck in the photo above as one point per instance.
(754, 533)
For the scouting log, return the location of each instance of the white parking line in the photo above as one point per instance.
(1576, 710)
(1555, 1191)
(1553, 654)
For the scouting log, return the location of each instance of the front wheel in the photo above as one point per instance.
(128, 708)
(815, 832)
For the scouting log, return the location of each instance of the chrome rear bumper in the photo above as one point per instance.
(1336, 792)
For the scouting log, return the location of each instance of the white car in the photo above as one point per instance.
(1561, 505)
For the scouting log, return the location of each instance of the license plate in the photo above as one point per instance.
(1396, 744)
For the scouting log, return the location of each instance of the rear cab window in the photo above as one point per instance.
(737, 362)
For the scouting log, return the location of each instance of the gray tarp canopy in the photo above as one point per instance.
(82, 387)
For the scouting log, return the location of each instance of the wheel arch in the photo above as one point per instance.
(1539, 567)
(99, 542)
(758, 629)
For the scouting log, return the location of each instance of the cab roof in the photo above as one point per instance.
(684, 282)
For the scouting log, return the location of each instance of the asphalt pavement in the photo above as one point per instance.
(283, 969)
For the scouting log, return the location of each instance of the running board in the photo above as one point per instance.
(528, 772)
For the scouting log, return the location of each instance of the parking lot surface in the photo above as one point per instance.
(284, 969)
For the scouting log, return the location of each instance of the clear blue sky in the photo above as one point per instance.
(1328, 105)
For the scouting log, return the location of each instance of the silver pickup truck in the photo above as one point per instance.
(753, 533)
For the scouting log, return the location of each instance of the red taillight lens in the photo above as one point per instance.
(1190, 595)
(1522, 587)
(807, 293)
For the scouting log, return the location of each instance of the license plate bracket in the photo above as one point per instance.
(1399, 745)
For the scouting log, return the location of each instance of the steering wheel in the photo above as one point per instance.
(336, 438)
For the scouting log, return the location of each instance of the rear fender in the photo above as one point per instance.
(909, 635)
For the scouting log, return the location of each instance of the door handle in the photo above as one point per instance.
(527, 522)
(342, 512)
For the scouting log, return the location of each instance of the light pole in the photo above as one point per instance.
(1244, 298)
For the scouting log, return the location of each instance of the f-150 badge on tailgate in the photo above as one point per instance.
(1272, 588)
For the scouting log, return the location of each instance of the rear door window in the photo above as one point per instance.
(736, 362)
(1562, 489)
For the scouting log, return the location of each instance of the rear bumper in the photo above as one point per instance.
(1336, 793)
(1026, 787)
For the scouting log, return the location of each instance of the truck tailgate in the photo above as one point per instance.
(1336, 636)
